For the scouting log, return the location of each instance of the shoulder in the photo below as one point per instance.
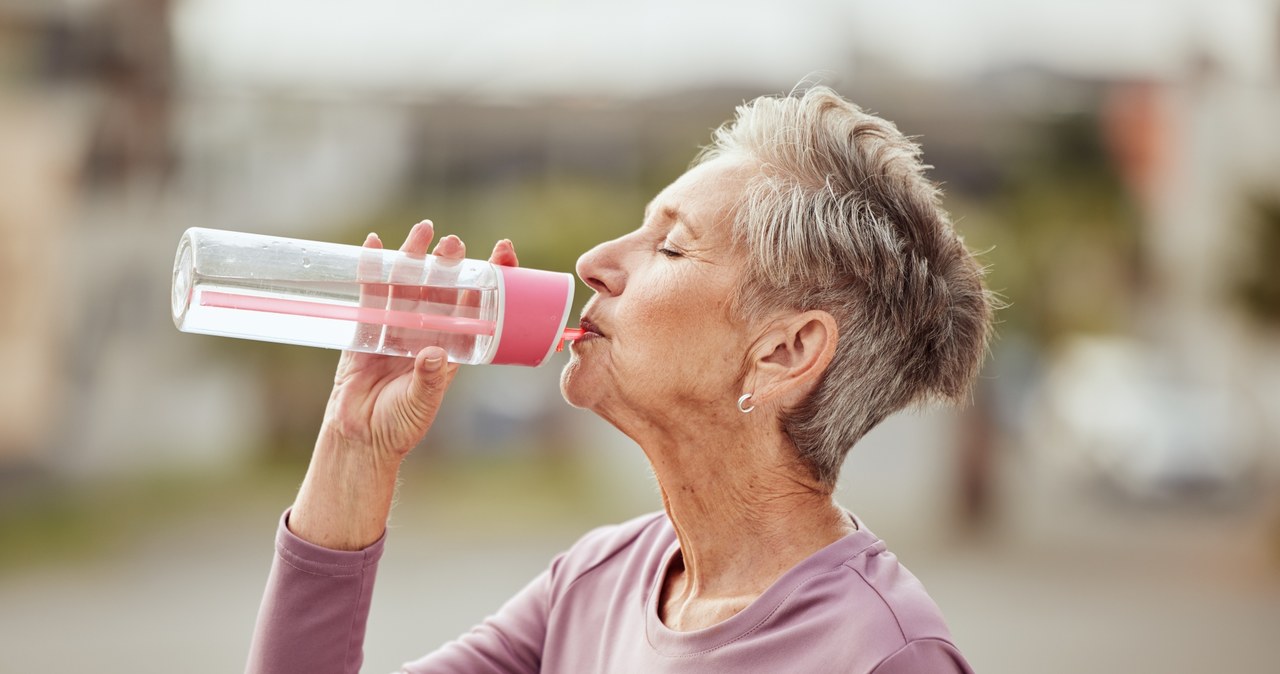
(893, 589)
(871, 609)
(642, 535)
(924, 655)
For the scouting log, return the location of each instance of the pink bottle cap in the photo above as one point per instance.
(535, 309)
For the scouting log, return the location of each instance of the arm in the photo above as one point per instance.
(317, 601)
(507, 642)
(314, 610)
(317, 596)
(925, 655)
(380, 407)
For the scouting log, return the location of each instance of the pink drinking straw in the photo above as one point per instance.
(570, 334)
(369, 315)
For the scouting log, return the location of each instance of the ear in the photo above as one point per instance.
(790, 357)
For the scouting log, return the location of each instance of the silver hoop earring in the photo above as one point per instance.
(743, 399)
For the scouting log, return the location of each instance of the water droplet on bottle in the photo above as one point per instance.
(306, 262)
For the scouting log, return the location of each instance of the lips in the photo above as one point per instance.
(591, 328)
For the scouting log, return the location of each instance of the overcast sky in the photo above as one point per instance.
(514, 48)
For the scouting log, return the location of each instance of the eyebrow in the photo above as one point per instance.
(695, 230)
(648, 209)
(674, 213)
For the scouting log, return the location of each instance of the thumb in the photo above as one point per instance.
(412, 413)
(431, 375)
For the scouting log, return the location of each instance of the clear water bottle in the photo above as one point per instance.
(367, 299)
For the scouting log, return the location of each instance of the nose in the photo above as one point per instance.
(600, 268)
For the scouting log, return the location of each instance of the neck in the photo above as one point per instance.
(744, 513)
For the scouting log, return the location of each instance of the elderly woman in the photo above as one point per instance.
(829, 290)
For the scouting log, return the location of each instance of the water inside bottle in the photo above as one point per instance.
(393, 319)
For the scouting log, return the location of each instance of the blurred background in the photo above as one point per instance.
(1109, 503)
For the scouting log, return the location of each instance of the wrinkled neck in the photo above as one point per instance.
(744, 510)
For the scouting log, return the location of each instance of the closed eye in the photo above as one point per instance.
(670, 253)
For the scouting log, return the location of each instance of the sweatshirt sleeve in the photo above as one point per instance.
(921, 656)
(315, 607)
(512, 641)
(508, 642)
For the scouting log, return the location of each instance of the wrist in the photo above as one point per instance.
(345, 498)
(336, 440)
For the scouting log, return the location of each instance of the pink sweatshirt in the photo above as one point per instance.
(850, 607)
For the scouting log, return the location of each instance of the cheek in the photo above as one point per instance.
(672, 342)
(684, 322)
(673, 306)
(694, 357)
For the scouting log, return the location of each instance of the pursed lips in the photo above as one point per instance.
(590, 327)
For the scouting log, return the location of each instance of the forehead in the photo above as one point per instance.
(705, 198)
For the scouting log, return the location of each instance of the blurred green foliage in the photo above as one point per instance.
(67, 520)
(1060, 236)
(460, 495)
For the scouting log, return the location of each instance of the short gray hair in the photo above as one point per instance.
(840, 217)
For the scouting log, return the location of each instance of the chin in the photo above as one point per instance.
(572, 384)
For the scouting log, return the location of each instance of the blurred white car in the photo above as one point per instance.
(1137, 421)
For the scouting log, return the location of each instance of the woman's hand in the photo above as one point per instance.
(385, 405)
(379, 409)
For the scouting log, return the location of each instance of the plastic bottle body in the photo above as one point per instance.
(349, 297)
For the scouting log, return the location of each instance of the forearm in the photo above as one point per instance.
(346, 496)
(313, 614)
(316, 604)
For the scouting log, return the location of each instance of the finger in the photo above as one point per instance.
(406, 291)
(504, 253)
(419, 239)
(372, 295)
(405, 273)
(450, 248)
(442, 294)
(442, 277)
(415, 246)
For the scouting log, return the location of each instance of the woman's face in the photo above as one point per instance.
(665, 340)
